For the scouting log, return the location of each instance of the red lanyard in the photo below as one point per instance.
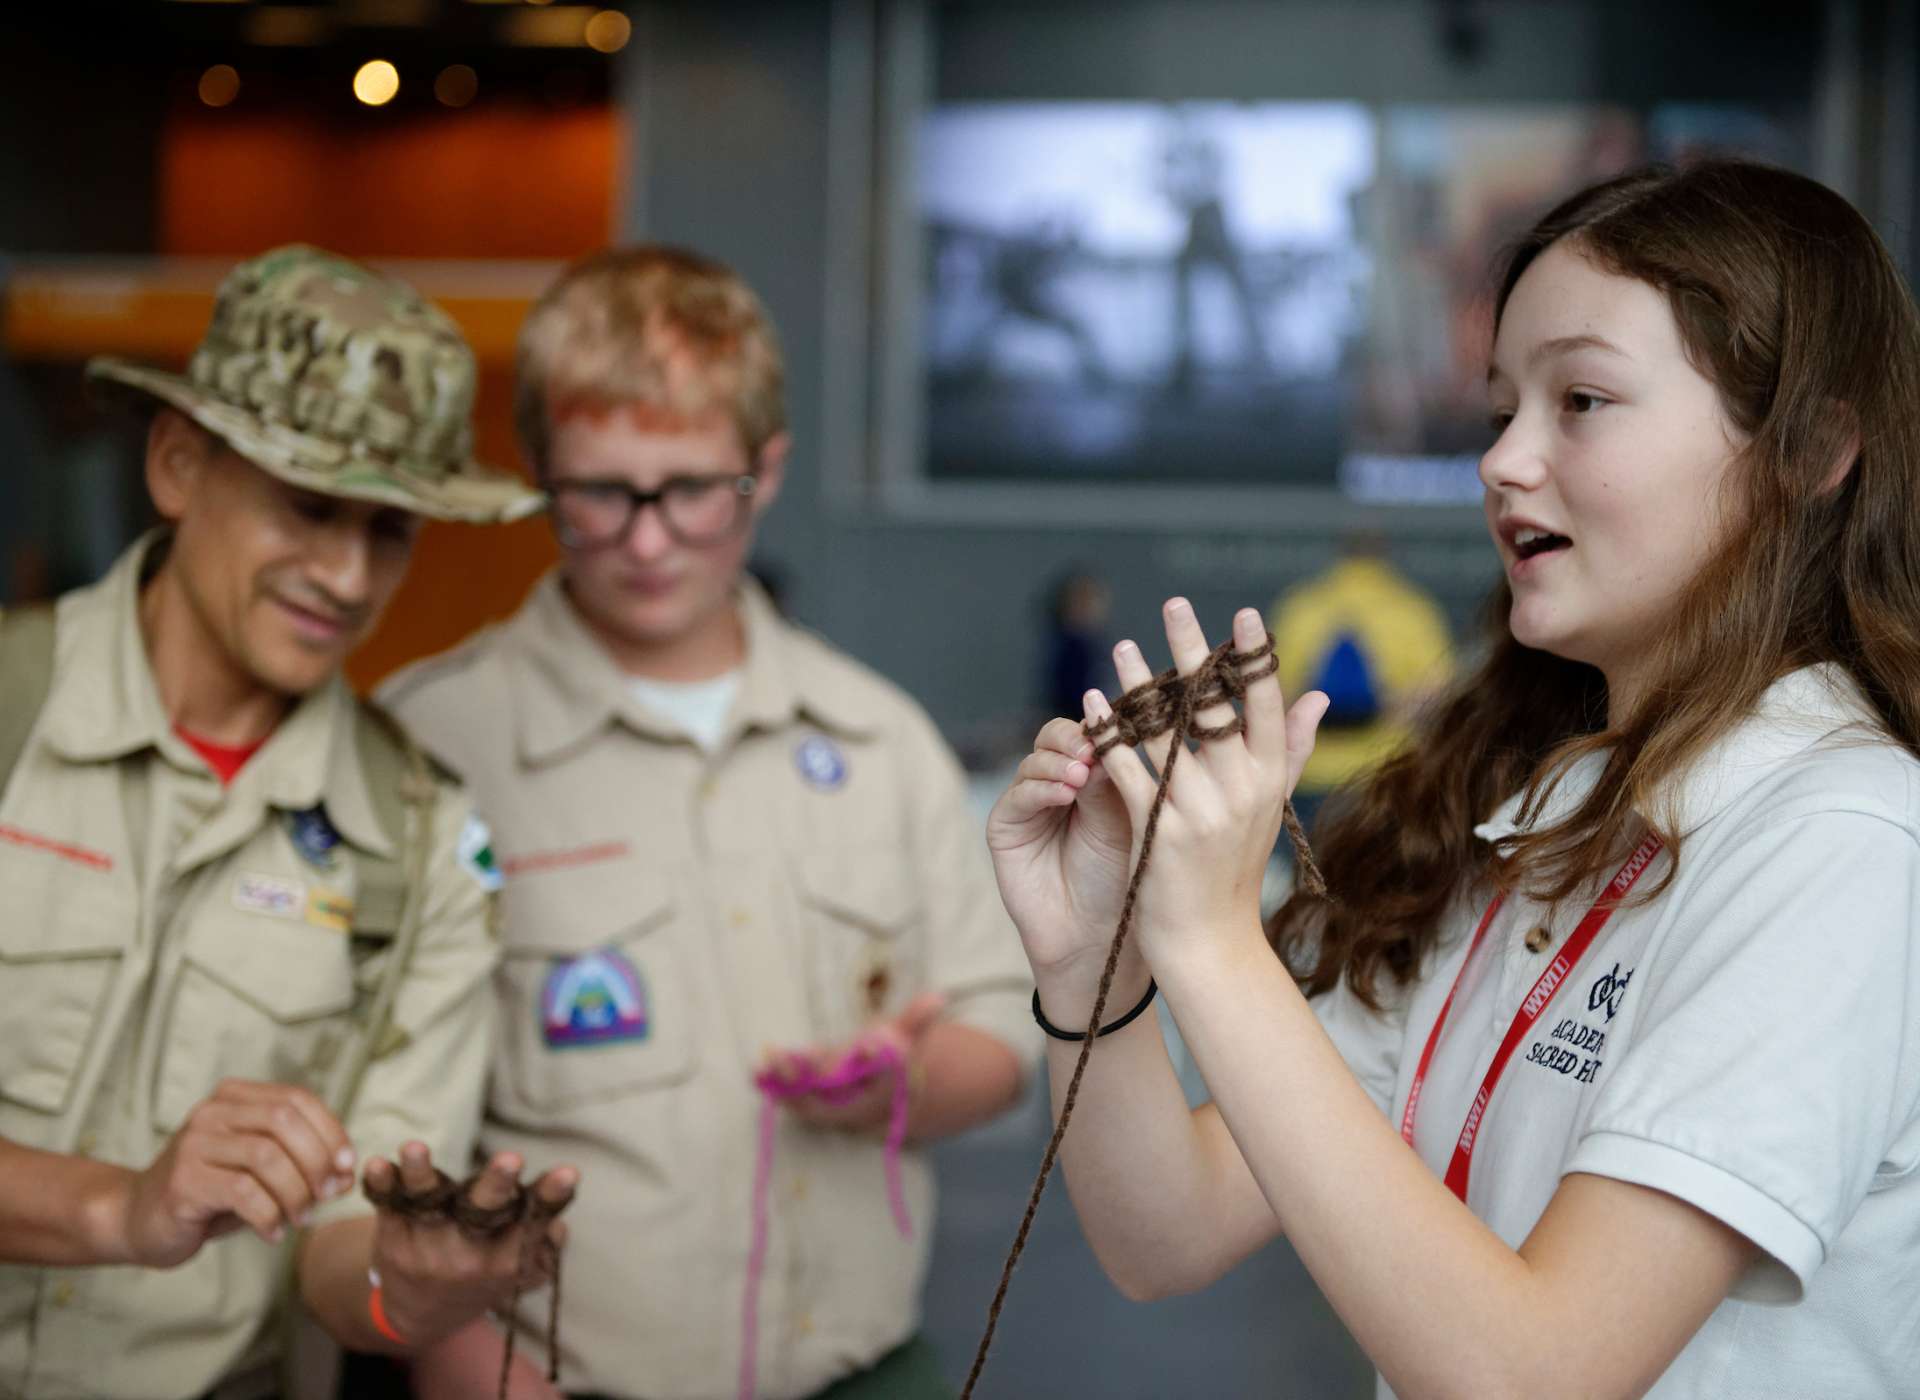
(1530, 1009)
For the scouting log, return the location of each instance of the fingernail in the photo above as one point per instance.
(275, 1235)
(1179, 605)
(303, 1220)
(1078, 772)
(343, 1159)
(1128, 647)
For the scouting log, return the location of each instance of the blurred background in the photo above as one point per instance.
(1083, 304)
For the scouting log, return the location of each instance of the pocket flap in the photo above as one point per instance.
(574, 911)
(292, 971)
(867, 886)
(41, 917)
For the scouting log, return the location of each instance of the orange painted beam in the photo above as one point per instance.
(158, 308)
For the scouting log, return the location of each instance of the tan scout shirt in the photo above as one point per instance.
(158, 935)
(816, 871)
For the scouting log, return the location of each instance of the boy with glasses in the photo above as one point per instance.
(719, 835)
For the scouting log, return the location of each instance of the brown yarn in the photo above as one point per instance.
(535, 1238)
(1148, 711)
(434, 1202)
(1165, 705)
(452, 1203)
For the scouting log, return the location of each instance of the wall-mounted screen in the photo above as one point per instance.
(1273, 293)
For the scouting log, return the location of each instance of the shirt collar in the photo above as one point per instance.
(314, 759)
(1799, 710)
(310, 760)
(95, 715)
(570, 689)
(790, 675)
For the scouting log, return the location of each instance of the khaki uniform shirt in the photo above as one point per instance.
(159, 934)
(816, 871)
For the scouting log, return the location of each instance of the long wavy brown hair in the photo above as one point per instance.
(1788, 303)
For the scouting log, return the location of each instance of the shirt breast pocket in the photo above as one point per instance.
(864, 942)
(597, 1006)
(256, 998)
(61, 944)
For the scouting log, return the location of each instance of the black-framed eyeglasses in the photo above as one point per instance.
(696, 510)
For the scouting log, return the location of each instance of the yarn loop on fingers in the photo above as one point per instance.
(449, 1202)
(1167, 704)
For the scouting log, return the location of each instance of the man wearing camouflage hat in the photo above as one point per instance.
(245, 929)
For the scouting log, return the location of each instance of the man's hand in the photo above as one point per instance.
(438, 1275)
(869, 1107)
(253, 1156)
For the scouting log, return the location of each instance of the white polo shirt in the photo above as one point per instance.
(1748, 1041)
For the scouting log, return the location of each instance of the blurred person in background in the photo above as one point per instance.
(1375, 644)
(1074, 645)
(245, 928)
(729, 850)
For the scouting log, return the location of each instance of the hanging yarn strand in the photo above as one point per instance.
(449, 1202)
(1165, 705)
(534, 1239)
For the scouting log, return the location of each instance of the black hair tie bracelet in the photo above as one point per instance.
(1108, 1029)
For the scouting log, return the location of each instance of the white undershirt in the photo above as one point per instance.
(700, 708)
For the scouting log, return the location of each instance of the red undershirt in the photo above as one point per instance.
(224, 759)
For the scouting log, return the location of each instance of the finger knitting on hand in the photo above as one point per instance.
(1165, 705)
(1148, 711)
(448, 1202)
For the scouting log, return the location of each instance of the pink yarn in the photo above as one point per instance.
(840, 1083)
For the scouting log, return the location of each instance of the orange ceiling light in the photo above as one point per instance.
(219, 85)
(376, 82)
(608, 31)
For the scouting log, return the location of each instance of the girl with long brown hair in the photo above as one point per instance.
(1605, 1042)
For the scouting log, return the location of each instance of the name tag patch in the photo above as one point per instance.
(272, 895)
(595, 999)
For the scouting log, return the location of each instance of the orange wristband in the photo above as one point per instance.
(377, 1312)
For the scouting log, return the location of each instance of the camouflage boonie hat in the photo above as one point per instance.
(339, 380)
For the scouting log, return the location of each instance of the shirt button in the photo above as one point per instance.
(86, 1145)
(708, 787)
(798, 1191)
(62, 1294)
(803, 1325)
(739, 918)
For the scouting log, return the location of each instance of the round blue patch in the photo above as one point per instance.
(313, 836)
(821, 763)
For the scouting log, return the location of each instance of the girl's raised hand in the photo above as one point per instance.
(1224, 806)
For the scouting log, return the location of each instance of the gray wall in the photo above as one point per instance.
(77, 175)
(730, 152)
